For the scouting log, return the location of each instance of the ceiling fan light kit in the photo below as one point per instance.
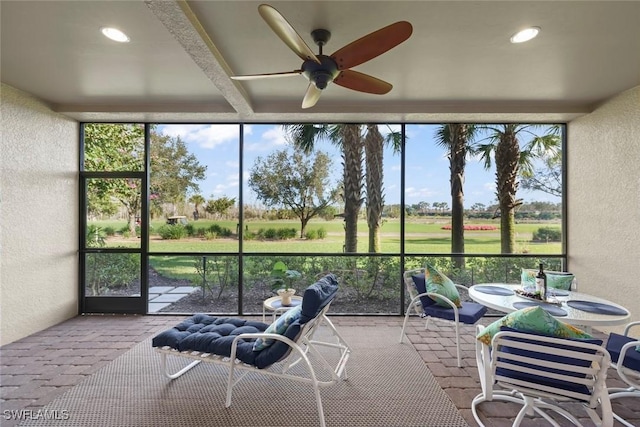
(321, 69)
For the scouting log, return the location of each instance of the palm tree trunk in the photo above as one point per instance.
(457, 163)
(352, 156)
(373, 146)
(507, 157)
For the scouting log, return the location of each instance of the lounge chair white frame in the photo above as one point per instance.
(298, 353)
(416, 305)
(629, 376)
(537, 398)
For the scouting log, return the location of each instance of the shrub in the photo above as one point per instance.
(109, 231)
(286, 233)
(322, 233)
(95, 236)
(108, 271)
(547, 234)
(220, 231)
(311, 234)
(269, 233)
(172, 232)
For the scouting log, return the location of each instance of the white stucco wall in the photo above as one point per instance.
(603, 154)
(38, 216)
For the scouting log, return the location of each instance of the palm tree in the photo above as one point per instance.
(512, 161)
(374, 151)
(349, 139)
(456, 138)
(197, 200)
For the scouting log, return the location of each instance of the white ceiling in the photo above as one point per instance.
(457, 65)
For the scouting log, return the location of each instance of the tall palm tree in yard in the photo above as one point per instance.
(513, 161)
(348, 138)
(198, 201)
(456, 138)
(374, 143)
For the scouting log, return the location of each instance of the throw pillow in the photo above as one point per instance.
(278, 327)
(438, 283)
(532, 319)
(555, 279)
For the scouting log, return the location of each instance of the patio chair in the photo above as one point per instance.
(626, 361)
(251, 347)
(541, 373)
(424, 305)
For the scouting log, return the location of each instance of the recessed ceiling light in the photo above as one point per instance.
(525, 35)
(115, 34)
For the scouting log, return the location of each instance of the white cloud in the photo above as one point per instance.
(275, 135)
(420, 193)
(205, 136)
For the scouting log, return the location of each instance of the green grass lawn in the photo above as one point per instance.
(420, 237)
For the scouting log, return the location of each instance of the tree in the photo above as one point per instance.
(174, 171)
(114, 147)
(547, 179)
(295, 180)
(120, 147)
(219, 206)
(456, 138)
(349, 139)
(374, 151)
(512, 161)
(478, 207)
(197, 201)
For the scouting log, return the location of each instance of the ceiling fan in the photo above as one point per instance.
(321, 69)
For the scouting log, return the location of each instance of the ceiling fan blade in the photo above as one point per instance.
(287, 34)
(362, 82)
(372, 45)
(311, 97)
(267, 75)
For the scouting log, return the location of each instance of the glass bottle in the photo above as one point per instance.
(541, 283)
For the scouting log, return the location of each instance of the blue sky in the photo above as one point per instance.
(427, 177)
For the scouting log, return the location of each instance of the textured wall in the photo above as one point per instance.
(38, 216)
(604, 200)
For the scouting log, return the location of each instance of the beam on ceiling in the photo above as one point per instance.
(182, 23)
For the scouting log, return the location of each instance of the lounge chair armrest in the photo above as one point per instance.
(624, 372)
(435, 297)
(630, 325)
(483, 360)
(262, 335)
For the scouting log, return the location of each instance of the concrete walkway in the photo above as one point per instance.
(163, 296)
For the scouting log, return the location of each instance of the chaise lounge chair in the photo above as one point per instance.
(246, 346)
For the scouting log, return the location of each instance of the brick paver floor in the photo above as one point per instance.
(42, 366)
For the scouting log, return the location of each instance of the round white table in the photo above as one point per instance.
(618, 314)
(274, 304)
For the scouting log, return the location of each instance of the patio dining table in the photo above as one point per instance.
(575, 308)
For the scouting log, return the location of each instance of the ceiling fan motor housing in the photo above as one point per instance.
(320, 74)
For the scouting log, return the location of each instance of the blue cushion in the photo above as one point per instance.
(421, 287)
(317, 296)
(550, 357)
(469, 313)
(614, 345)
(209, 334)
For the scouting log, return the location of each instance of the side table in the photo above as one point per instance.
(274, 304)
